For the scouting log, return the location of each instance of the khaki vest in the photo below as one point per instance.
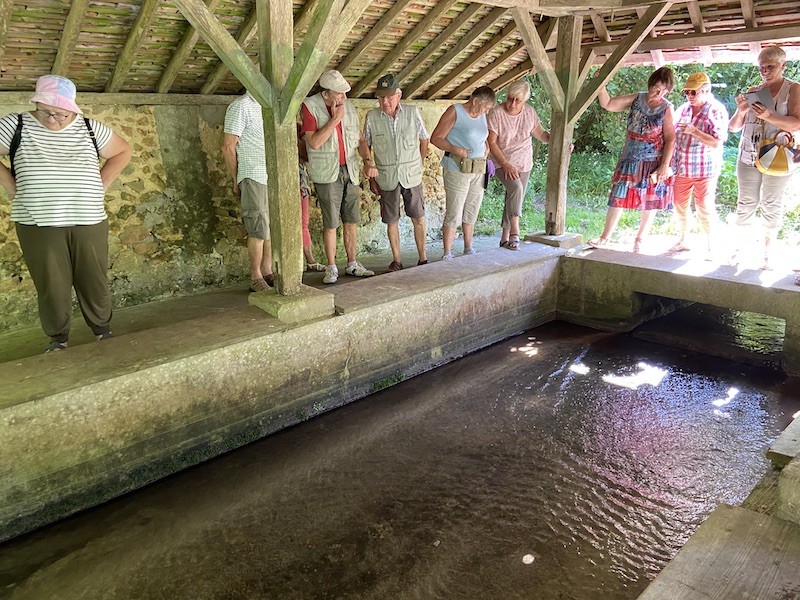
(324, 162)
(396, 152)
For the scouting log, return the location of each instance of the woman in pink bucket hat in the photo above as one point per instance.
(61, 166)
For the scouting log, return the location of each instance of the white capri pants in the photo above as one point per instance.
(756, 189)
(463, 197)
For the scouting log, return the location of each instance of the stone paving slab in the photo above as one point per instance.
(787, 446)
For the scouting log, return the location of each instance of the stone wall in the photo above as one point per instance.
(174, 221)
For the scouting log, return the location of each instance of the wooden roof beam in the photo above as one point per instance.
(492, 66)
(304, 16)
(382, 25)
(465, 42)
(696, 16)
(227, 48)
(418, 31)
(600, 26)
(181, 54)
(439, 41)
(539, 58)
(710, 38)
(617, 59)
(512, 75)
(244, 36)
(140, 27)
(69, 36)
(749, 14)
(5, 18)
(509, 30)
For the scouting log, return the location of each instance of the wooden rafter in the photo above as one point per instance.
(465, 42)
(5, 19)
(539, 58)
(475, 57)
(181, 54)
(418, 31)
(512, 75)
(696, 16)
(485, 71)
(140, 27)
(382, 25)
(600, 27)
(69, 37)
(227, 48)
(439, 41)
(749, 14)
(617, 59)
(244, 36)
(304, 16)
(587, 61)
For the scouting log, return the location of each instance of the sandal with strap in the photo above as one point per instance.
(315, 267)
(599, 242)
(637, 245)
(513, 244)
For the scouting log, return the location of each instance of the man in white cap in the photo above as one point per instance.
(398, 139)
(701, 128)
(243, 150)
(61, 165)
(331, 131)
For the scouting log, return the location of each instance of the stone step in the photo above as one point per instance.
(787, 446)
(735, 554)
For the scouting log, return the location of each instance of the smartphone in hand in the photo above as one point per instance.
(761, 96)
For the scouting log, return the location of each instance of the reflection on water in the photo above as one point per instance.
(565, 464)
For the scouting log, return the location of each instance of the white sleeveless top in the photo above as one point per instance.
(754, 129)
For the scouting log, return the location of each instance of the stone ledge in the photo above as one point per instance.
(787, 446)
(566, 241)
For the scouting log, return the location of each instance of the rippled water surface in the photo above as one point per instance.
(564, 464)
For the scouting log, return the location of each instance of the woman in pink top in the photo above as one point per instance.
(511, 126)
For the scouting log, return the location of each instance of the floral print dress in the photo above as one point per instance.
(631, 184)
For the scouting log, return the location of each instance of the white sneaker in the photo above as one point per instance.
(331, 274)
(447, 256)
(358, 270)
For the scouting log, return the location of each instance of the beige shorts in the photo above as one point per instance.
(463, 197)
(255, 209)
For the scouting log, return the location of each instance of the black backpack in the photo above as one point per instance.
(18, 137)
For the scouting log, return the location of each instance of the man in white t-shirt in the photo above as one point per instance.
(243, 150)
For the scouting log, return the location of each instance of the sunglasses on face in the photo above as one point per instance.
(692, 93)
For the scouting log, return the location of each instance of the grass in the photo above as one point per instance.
(587, 201)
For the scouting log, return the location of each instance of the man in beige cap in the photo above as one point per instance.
(331, 132)
(701, 128)
(397, 137)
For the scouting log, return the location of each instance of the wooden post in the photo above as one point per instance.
(561, 128)
(275, 24)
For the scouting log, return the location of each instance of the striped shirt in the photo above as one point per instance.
(245, 120)
(58, 172)
(693, 158)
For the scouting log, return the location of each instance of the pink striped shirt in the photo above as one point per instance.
(692, 157)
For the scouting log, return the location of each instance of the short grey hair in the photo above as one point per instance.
(520, 86)
(773, 53)
(484, 94)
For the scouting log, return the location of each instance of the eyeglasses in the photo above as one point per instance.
(46, 114)
(767, 68)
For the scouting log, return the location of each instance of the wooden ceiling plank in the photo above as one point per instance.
(600, 26)
(303, 18)
(478, 77)
(465, 42)
(5, 19)
(69, 37)
(439, 41)
(418, 31)
(749, 14)
(538, 56)
(132, 44)
(385, 21)
(245, 33)
(227, 48)
(696, 16)
(475, 57)
(617, 59)
(181, 54)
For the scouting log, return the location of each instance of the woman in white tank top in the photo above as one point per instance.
(757, 122)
